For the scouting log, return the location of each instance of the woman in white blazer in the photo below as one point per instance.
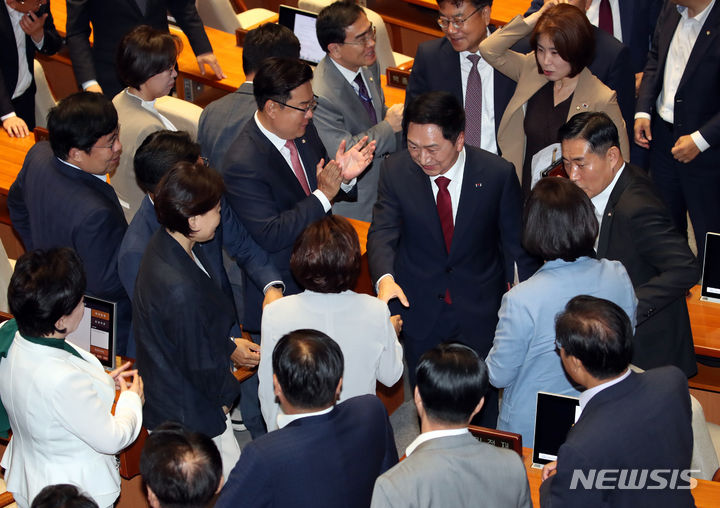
(326, 262)
(56, 396)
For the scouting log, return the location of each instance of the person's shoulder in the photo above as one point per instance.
(430, 48)
(668, 376)
(489, 163)
(364, 406)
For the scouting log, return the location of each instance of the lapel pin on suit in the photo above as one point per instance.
(478, 185)
(302, 140)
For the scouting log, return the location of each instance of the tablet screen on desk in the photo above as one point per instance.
(96, 331)
(555, 416)
(711, 268)
(302, 23)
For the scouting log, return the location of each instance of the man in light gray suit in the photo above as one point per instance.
(446, 465)
(351, 103)
(222, 120)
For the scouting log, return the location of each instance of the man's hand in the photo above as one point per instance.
(210, 60)
(246, 354)
(354, 161)
(33, 25)
(329, 178)
(394, 117)
(397, 323)
(94, 88)
(271, 295)
(16, 127)
(549, 469)
(388, 289)
(643, 136)
(685, 149)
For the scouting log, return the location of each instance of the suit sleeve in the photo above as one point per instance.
(659, 244)
(535, 6)
(78, 40)
(390, 367)
(52, 41)
(19, 215)
(128, 268)
(248, 254)
(385, 495)
(496, 48)
(612, 109)
(514, 329)
(570, 460)
(250, 482)
(384, 232)
(187, 17)
(652, 73)
(622, 80)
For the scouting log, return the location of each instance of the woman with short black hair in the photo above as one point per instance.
(326, 261)
(560, 227)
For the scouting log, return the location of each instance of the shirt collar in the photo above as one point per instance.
(433, 434)
(346, 73)
(600, 201)
(700, 17)
(452, 173)
(276, 140)
(589, 394)
(143, 102)
(284, 420)
(100, 177)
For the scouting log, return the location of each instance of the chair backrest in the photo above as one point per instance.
(184, 115)
(44, 99)
(218, 14)
(704, 456)
(383, 49)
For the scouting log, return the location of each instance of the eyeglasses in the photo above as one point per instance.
(363, 40)
(310, 107)
(457, 22)
(558, 346)
(110, 145)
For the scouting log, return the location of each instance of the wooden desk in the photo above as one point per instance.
(12, 155)
(706, 494)
(502, 10)
(705, 323)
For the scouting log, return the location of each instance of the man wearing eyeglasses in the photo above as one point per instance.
(61, 198)
(351, 103)
(453, 64)
(279, 177)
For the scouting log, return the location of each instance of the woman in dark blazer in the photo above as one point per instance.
(182, 317)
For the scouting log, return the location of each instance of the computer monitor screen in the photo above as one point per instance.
(302, 23)
(96, 331)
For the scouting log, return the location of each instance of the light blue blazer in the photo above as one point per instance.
(523, 359)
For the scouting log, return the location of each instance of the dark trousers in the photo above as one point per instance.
(447, 329)
(24, 107)
(692, 187)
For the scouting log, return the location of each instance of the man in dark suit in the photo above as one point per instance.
(636, 230)
(323, 454)
(277, 177)
(445, 236)
(351, 102)
(28, 31)
(678, 114)
(61, 198)
(111, 19)
(223, 118)
(445, 64)
(634, 429)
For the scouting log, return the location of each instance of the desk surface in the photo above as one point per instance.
(706, 494)
(705, 323)
(12, 155)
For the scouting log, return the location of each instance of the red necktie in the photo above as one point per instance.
(297, 167)
(473, 104)
(444, 208)
(605, 19)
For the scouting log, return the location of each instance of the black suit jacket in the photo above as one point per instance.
(329, 460)
(636, 230)
(111, 20)
(181, 322)
(9, 59)
(55, 205)
(406, 240)
(268, 199)
(437, 67)
(697, 101)
(643, 422)
(637, 20)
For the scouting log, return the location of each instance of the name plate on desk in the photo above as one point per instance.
(499, 438)
(397, 77)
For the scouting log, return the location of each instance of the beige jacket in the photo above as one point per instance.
(590, 93)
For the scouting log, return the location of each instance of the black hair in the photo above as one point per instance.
(160, 151)
(438, 108)
(144, 52)
(277, 77)
(598, 333)
(269, 39)
(78, 121)
(45, 286)
(559, 221)
(334, 19)
(451, 379)
(183, 468)
(62, 495)
(308, 365)
(594, 127)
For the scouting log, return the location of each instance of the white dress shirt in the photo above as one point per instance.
(600, 201)
(350, 77)
(681, 46)
(487, 77)
(433, 434)
(589, 394)
(593, 15)
(150, 106)
(25, 78)
(284, 420)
